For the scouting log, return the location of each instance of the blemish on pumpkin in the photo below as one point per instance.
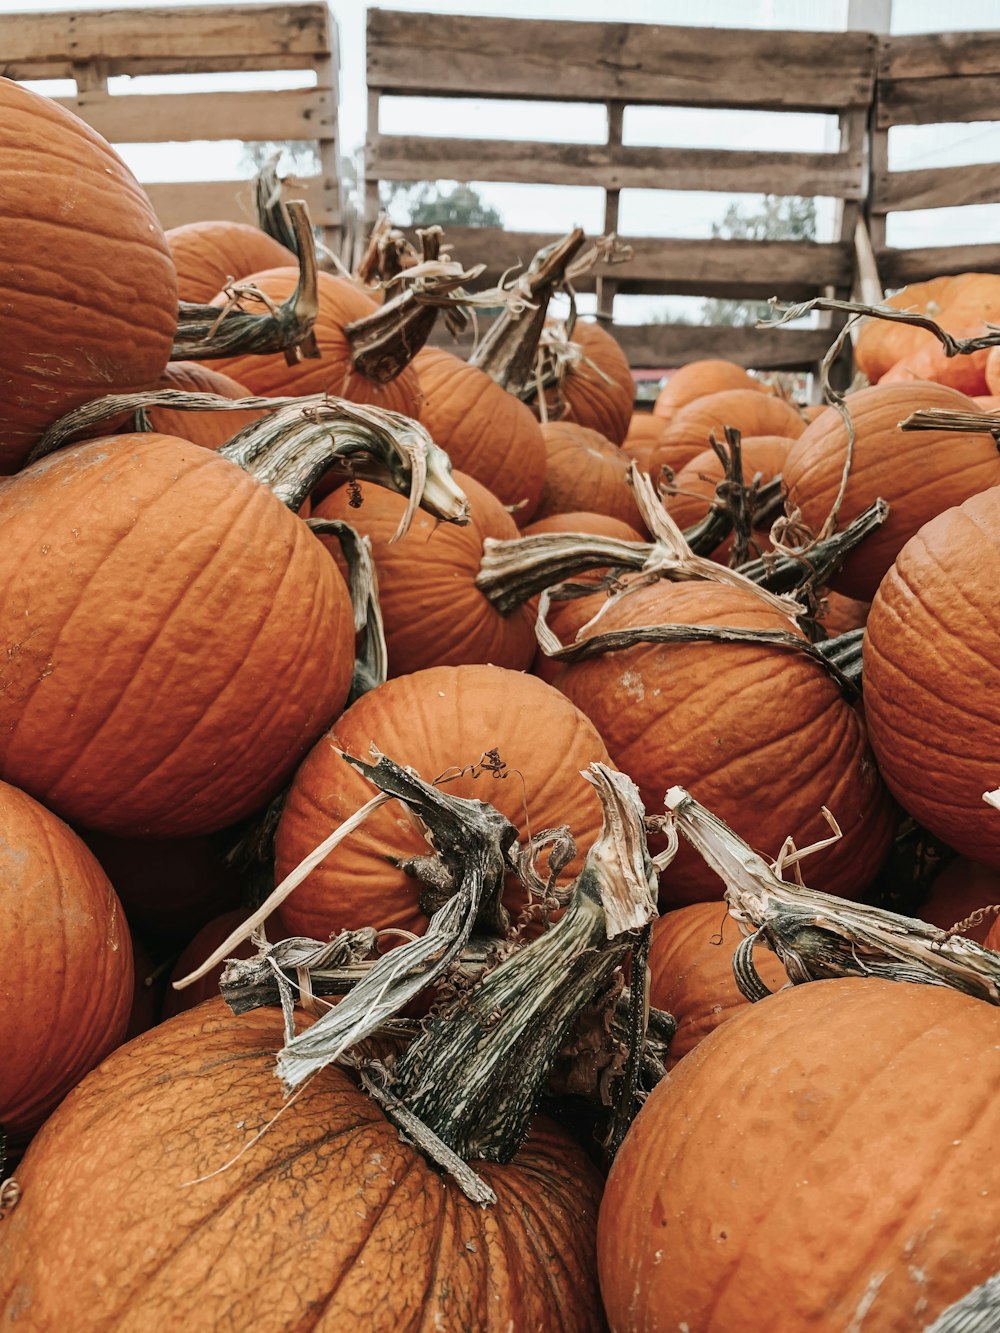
(633, 685)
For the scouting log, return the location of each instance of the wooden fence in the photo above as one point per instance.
(90, 47)
(432, 55)
(940, 78)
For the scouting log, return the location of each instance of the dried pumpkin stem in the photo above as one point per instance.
(966, 423)
(952, 346)
(977, 1312)
(371, 666)
(203, 336)
(818, 935)
(786, 571)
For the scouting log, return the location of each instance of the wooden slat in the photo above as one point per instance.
(614, 167)
(936, 55)
(233, 63)
(936, 187)
(298, 113)
(899, 267)
(653, 345)
(214, 32)
(448, 55)
(938, 101)
(698, 267)
(179, 202)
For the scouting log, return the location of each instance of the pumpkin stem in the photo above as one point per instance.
(371, 666)
(507, 353)
(966, 423)
(787, 570)
(205, 333)
(818, 935)
(845, 653)
(477, 1073)
(952, 346)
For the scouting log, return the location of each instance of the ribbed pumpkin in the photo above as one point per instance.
(824, 1161)
(691, 972)
(327, 1220)
(696, 482)
(598, 390)
(177, 638)
(750, 412)
(966, 373)
(644, 429)
(585, 473)
(960, 889)
(698, 379)
(433, 612)
(209, 429)
(87, 285)
(761, 735)
(919, 473)
(67, 978)
(993, 374)
(333, 372)
(485, 431)
(207, 254)
(932, 676)
(954, 303)
(437, 722)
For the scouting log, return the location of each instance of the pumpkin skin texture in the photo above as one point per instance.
(178, 638)
(843, 613)
(67, 986)
(920, 474)
(749, 411)
(598, 391)
(585, 473)
(328, 1222)
(812, 1166)
(209, 429)
(207, 254)
(87, 285)
(761, 735)
(434, 721)
(691, 972)
(881, 344)
(698, 379)
(965, 373)
(333, 372)
(485, 431)
(433, 612)
(932, 676)
(962, 887)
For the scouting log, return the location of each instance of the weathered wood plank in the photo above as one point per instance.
(192, 201)
(214, 32)
(614, 166)
(960, 98)
(449, 55)
(936, 187)
(699, 267)
(899, 267)
(24, 70)
(936, 55)
(296, 113)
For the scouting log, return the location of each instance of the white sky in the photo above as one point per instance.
(651, 213)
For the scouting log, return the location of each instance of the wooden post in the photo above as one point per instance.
(371, 182)
(327, 81)
(606, 287)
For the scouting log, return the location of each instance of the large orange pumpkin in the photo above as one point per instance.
(485, 431)
(209, 253)
(698, 379)
(67, 980)
(919, 473)
(823, 1161)
(177, 639)
(585, 473)
(932, 676)
(334, 371)
(89, 290)
(761, 735)
(434, 614)
(440, 722)
(691, 972)
(323, 1218)
(597, 390)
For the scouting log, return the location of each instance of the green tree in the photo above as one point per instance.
(778, 218)
(424, 204)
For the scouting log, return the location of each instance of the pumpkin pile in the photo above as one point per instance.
(561, 829)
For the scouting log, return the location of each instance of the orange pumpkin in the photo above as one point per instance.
(691, 972)
(932, 676)
(919, 473)
(433, 612)
(811, 1166)
(843, 613)
(960, 889)
(90, 293)
(204, 944)
(598, 390)
(323, 1216)
(334, 371)
(208, 254)
(965, 373)
(750, 412)
(178, 638)
(882, 343)
(585, 473)
(209, 429)
(761, 735)
(439, 722)
(67, 987)
(485, 431)
(700, 378)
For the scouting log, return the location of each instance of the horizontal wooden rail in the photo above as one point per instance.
(448, 55)
(936, 187)
(898, 267)
(177, 202)
(297, 113)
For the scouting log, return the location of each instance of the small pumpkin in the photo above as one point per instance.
(597, 389)
(697, 380)
(207, 254)
(960, 889)
(585, 473)
(748, 410)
